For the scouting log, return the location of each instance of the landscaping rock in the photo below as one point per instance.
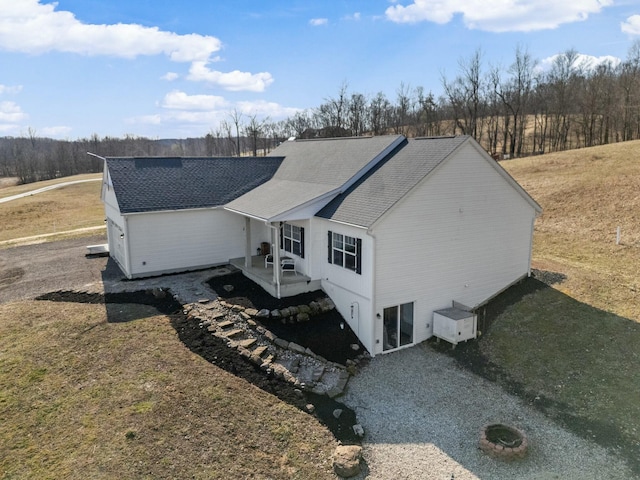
(228, 288)
(346, 460)
(264, 313)
(358, 430)
(304, 309)
(337, 412)
(302, 317)
(294, 347)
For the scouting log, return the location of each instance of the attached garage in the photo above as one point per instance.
(165, 215)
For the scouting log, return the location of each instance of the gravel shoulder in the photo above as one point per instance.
(423, 414)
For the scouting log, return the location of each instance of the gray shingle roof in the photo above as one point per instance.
(312, 169)
(375, 193)
(156, 184)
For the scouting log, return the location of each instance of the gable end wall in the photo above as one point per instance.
(464, 234)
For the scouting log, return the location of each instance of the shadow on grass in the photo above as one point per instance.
(577, 364)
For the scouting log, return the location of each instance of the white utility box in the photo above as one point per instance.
(454, 325)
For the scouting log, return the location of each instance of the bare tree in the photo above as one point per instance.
(236, 118)
(464, 94)
(379, 110)
(514, 94)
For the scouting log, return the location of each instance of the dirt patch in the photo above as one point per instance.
(198, 340)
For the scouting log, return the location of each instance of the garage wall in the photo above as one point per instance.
(184, 240)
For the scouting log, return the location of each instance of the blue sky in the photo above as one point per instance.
(173, 69)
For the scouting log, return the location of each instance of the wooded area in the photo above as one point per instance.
(514, 111)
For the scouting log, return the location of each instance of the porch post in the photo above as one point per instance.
(275, 250)
(247, 242)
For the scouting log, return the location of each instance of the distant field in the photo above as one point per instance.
(61, 210)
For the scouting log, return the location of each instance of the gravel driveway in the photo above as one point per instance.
(31, 270)
(423, 414)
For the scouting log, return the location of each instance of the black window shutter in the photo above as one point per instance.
(330, 244)
(281, 236)
(301, 242)
(358, 255)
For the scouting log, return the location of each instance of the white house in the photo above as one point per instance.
(392, 229)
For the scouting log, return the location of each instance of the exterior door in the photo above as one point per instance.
(397, 326)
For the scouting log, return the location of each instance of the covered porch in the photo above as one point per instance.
(290, 283)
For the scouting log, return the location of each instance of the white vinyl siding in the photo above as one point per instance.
(462, 234)
(351, 292)
(177, 241)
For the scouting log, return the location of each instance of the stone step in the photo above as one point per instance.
(225, 324)
(247, 343)
(269, 359)
(260, 350)
(233, 333)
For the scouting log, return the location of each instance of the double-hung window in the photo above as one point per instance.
(345, 251)
(292, 239)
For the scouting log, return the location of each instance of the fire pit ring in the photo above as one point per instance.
(503, 442)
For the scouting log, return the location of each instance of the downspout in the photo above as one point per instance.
(247, 242)
(127, 246)
(374, 298)
(533, 221)
(275, 252)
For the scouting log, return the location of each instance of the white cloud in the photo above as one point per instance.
(233, 81)
(11, 89)
(177, 100)
(355, 17)
(586, 62)
(10, 112)
(317, 22)
(498, 15)
(170, 76)
(32, 27)
(262, 108)
(195, 114)
(632, 25)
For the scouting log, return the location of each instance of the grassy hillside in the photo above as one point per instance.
(574, 350)
(586, 194)
(84, 398)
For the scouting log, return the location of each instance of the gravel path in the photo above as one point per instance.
(422, 415)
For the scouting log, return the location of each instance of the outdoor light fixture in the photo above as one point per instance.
(122, 235)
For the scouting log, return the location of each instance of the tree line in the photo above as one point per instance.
(511, 111)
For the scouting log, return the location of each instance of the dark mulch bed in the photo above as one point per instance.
(327, 334)
(215, 351)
